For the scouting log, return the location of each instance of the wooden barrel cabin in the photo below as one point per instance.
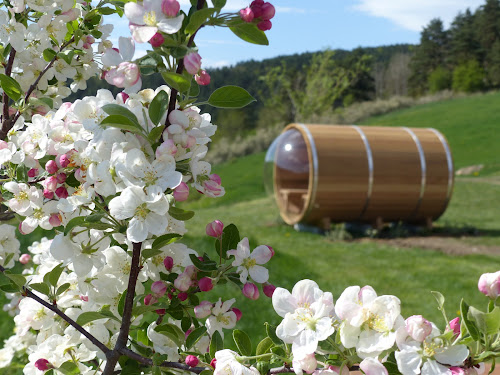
(367, 174)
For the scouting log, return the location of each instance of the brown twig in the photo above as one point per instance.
(122, 339)
(5, 99)
(180, 67)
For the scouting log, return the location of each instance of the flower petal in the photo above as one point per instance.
(171, 25)
(135, 13)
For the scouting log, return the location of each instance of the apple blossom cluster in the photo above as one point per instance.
(57, 38)
(259, 12)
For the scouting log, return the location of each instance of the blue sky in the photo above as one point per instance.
(312, 25)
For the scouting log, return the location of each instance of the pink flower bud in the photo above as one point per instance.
(190, 142)
(256, 7)
(268, 11)
(166, 148)
(265, 25)
(159, 288)
(62, 192)
(345, 370)
(457, 370)
(215, 178)
(84, 298)
(272, 250)
(247, 14)
(157, 39)
(455, 325)
(183, 282)
(55, 220)
(182, 296)
(48, 194)
(150, 300)
(214, 229)
(33, 172)
(168, 262)
(213, 363)
(125, 75)
(418, 328)
(51, 167)
(122, 97)
(203, 310)
(87, 46)
(170, 7)
(192, 361)
(20, 228)
(237, 312)
(268, 289)
(202, 78)
(489, 284)
(51, 183)
(205, 284)
(251, 291)
(181, 192)
(161, 311)
(308, 363)
(25, 258)
(61, 177)
(63, 161)
(42, 364)
(90, 39)
(192, 63)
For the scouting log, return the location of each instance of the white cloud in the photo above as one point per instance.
(210, 64)
(415, 14)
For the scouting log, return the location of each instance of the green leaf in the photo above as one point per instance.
(271, 332)
(122, 122)
(158, 107)
(149, 253)
(219, 3)
(106, 11)
(69, 368)
(63, 288)
(194, 90)
(488, 323)
(173, 332)
(21, 175)
(264, 346)
(49, 54)
(94, 218)
(216, 344)
(41, 287)
(230, 239)
(155, 134)
(18, 280)
(469, 324)
(243, 342)
(203, 266)
(180, 214)
(9, 288)
(195, 336)
(230, 97)
(165, 240)
(250, 33)
(115, 109)
(52, 277)
(37, 102)
(197, 19)
(90, 316)
(10, 87)
(75, 222)
(139, 310)
(67, 56)
(121, 302)
(176, 81)
(439, 298)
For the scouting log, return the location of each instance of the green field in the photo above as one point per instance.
(410, 273)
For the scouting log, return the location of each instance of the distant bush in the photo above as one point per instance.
(468, 77)
(440, 79)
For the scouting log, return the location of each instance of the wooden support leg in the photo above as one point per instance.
(428, 223)
(378, 224)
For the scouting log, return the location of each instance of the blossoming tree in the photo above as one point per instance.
(115, 290)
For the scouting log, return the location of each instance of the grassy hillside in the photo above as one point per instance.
(471, 125)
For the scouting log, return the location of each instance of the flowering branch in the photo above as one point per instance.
(121, 342)
(6, 123)
(180, 67)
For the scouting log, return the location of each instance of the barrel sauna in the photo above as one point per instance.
(368, 174)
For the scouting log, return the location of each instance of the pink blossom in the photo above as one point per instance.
(126, 75)
(33, 172)
(251, 291)
(214, 229)
(192, 360)
(61, 177)
(455, 325)
(168, 262)
(192, 62)
(418, 327)
(237, 312)
(203, 310)
(62, 192)
(170, 7)
(166, 148)
(185, 280)
(202, 78)
(25, 258)
(265, 25)
(181, 192)
(51, 183)
(307, 363)
(157, 39)
(247, 14)
(55, 220)
(371, 366)
(268, 289)
(268, 11)
(150, 300)
(457, 370)
(489, 284)
(42, 364)
(62, 161)
(159, 288)
(272, 251)
(182, 296)
(205, 284)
